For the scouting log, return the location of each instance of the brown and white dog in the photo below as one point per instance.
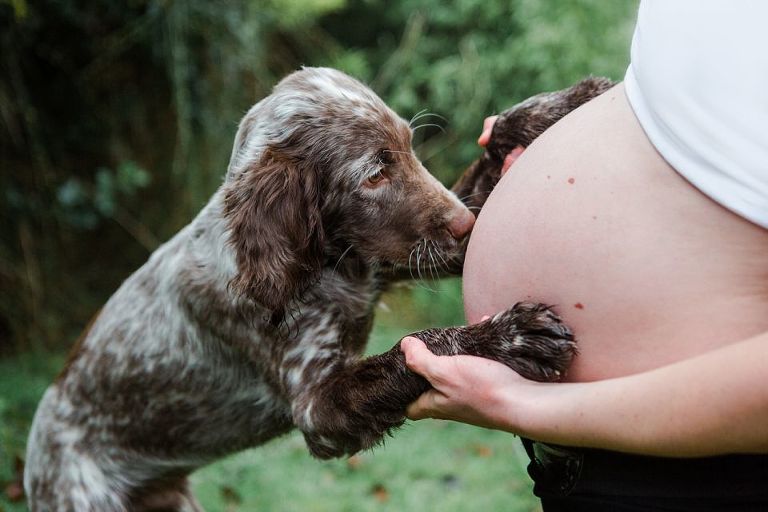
(251, 320)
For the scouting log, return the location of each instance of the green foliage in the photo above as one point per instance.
(84, 205)
(468, 59)
(19, 7)
(23, 380)
(299, 13)
(98, 97)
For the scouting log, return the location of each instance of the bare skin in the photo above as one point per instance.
(666, 290)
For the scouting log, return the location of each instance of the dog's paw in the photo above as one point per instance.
(345, 426)
(325, 447)
(334, 445)
(529, 338)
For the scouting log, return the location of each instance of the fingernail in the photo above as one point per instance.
(485, 136)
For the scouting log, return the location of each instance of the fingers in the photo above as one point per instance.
(510, 158)
(487, 128)
(424, 407)
(419, 359)
(485, 138)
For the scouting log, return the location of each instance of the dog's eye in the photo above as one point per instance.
(386, 157)
(374, 180)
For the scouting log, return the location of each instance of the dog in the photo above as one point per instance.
(251, 320)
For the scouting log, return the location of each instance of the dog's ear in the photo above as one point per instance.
(273, 211)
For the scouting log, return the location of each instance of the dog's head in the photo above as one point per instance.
(321, 167)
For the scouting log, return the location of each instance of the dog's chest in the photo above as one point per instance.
(350, 303)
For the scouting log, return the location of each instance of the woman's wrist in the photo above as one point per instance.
(550, 412)
(522, 407)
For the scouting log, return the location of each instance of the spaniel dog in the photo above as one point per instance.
(251, 320)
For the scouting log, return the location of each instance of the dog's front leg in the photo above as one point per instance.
(357, 404)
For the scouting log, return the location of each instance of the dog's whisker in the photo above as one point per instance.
(441, 264)
(427, 114)
(342, 257)
(410, 268)
(429, 265)
(442, 257)
(420, 282)
(462, 198)
(428, 254)
(418, 268)
(432, 262)
(419, 254)
(433, 114)
(429, 124)
(416, 116)
(454, 257)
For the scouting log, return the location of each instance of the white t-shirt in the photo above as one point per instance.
(698, 83)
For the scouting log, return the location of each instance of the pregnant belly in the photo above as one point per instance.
(645, 268)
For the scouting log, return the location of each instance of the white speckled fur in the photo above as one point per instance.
(179, 369)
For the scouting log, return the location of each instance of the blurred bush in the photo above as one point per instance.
(117, 117)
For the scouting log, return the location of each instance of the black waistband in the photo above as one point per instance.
(563, 471)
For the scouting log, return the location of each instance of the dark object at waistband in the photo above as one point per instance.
(560, 471)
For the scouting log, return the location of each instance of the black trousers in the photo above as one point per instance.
(575, 480)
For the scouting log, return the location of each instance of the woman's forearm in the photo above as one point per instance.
(711, 404)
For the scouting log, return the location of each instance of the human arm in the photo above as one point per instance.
(710, 404)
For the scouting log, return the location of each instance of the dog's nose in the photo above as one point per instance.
(461, 224)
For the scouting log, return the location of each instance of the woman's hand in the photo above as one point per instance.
(465, 388)
(695, 407)
(485, 138)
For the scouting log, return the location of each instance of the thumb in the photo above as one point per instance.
(510, 158)
(426, 406)
(485, 137)
(419, 359)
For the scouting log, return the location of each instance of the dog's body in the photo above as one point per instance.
(251, 320)
(162, 386)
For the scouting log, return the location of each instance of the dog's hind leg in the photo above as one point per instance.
(72, 481)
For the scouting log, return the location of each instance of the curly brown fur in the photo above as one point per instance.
(223, 338)
(366, 400)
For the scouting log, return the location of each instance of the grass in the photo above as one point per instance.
(427, 465)
(23, 379)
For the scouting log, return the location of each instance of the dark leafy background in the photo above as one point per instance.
(117, 119)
